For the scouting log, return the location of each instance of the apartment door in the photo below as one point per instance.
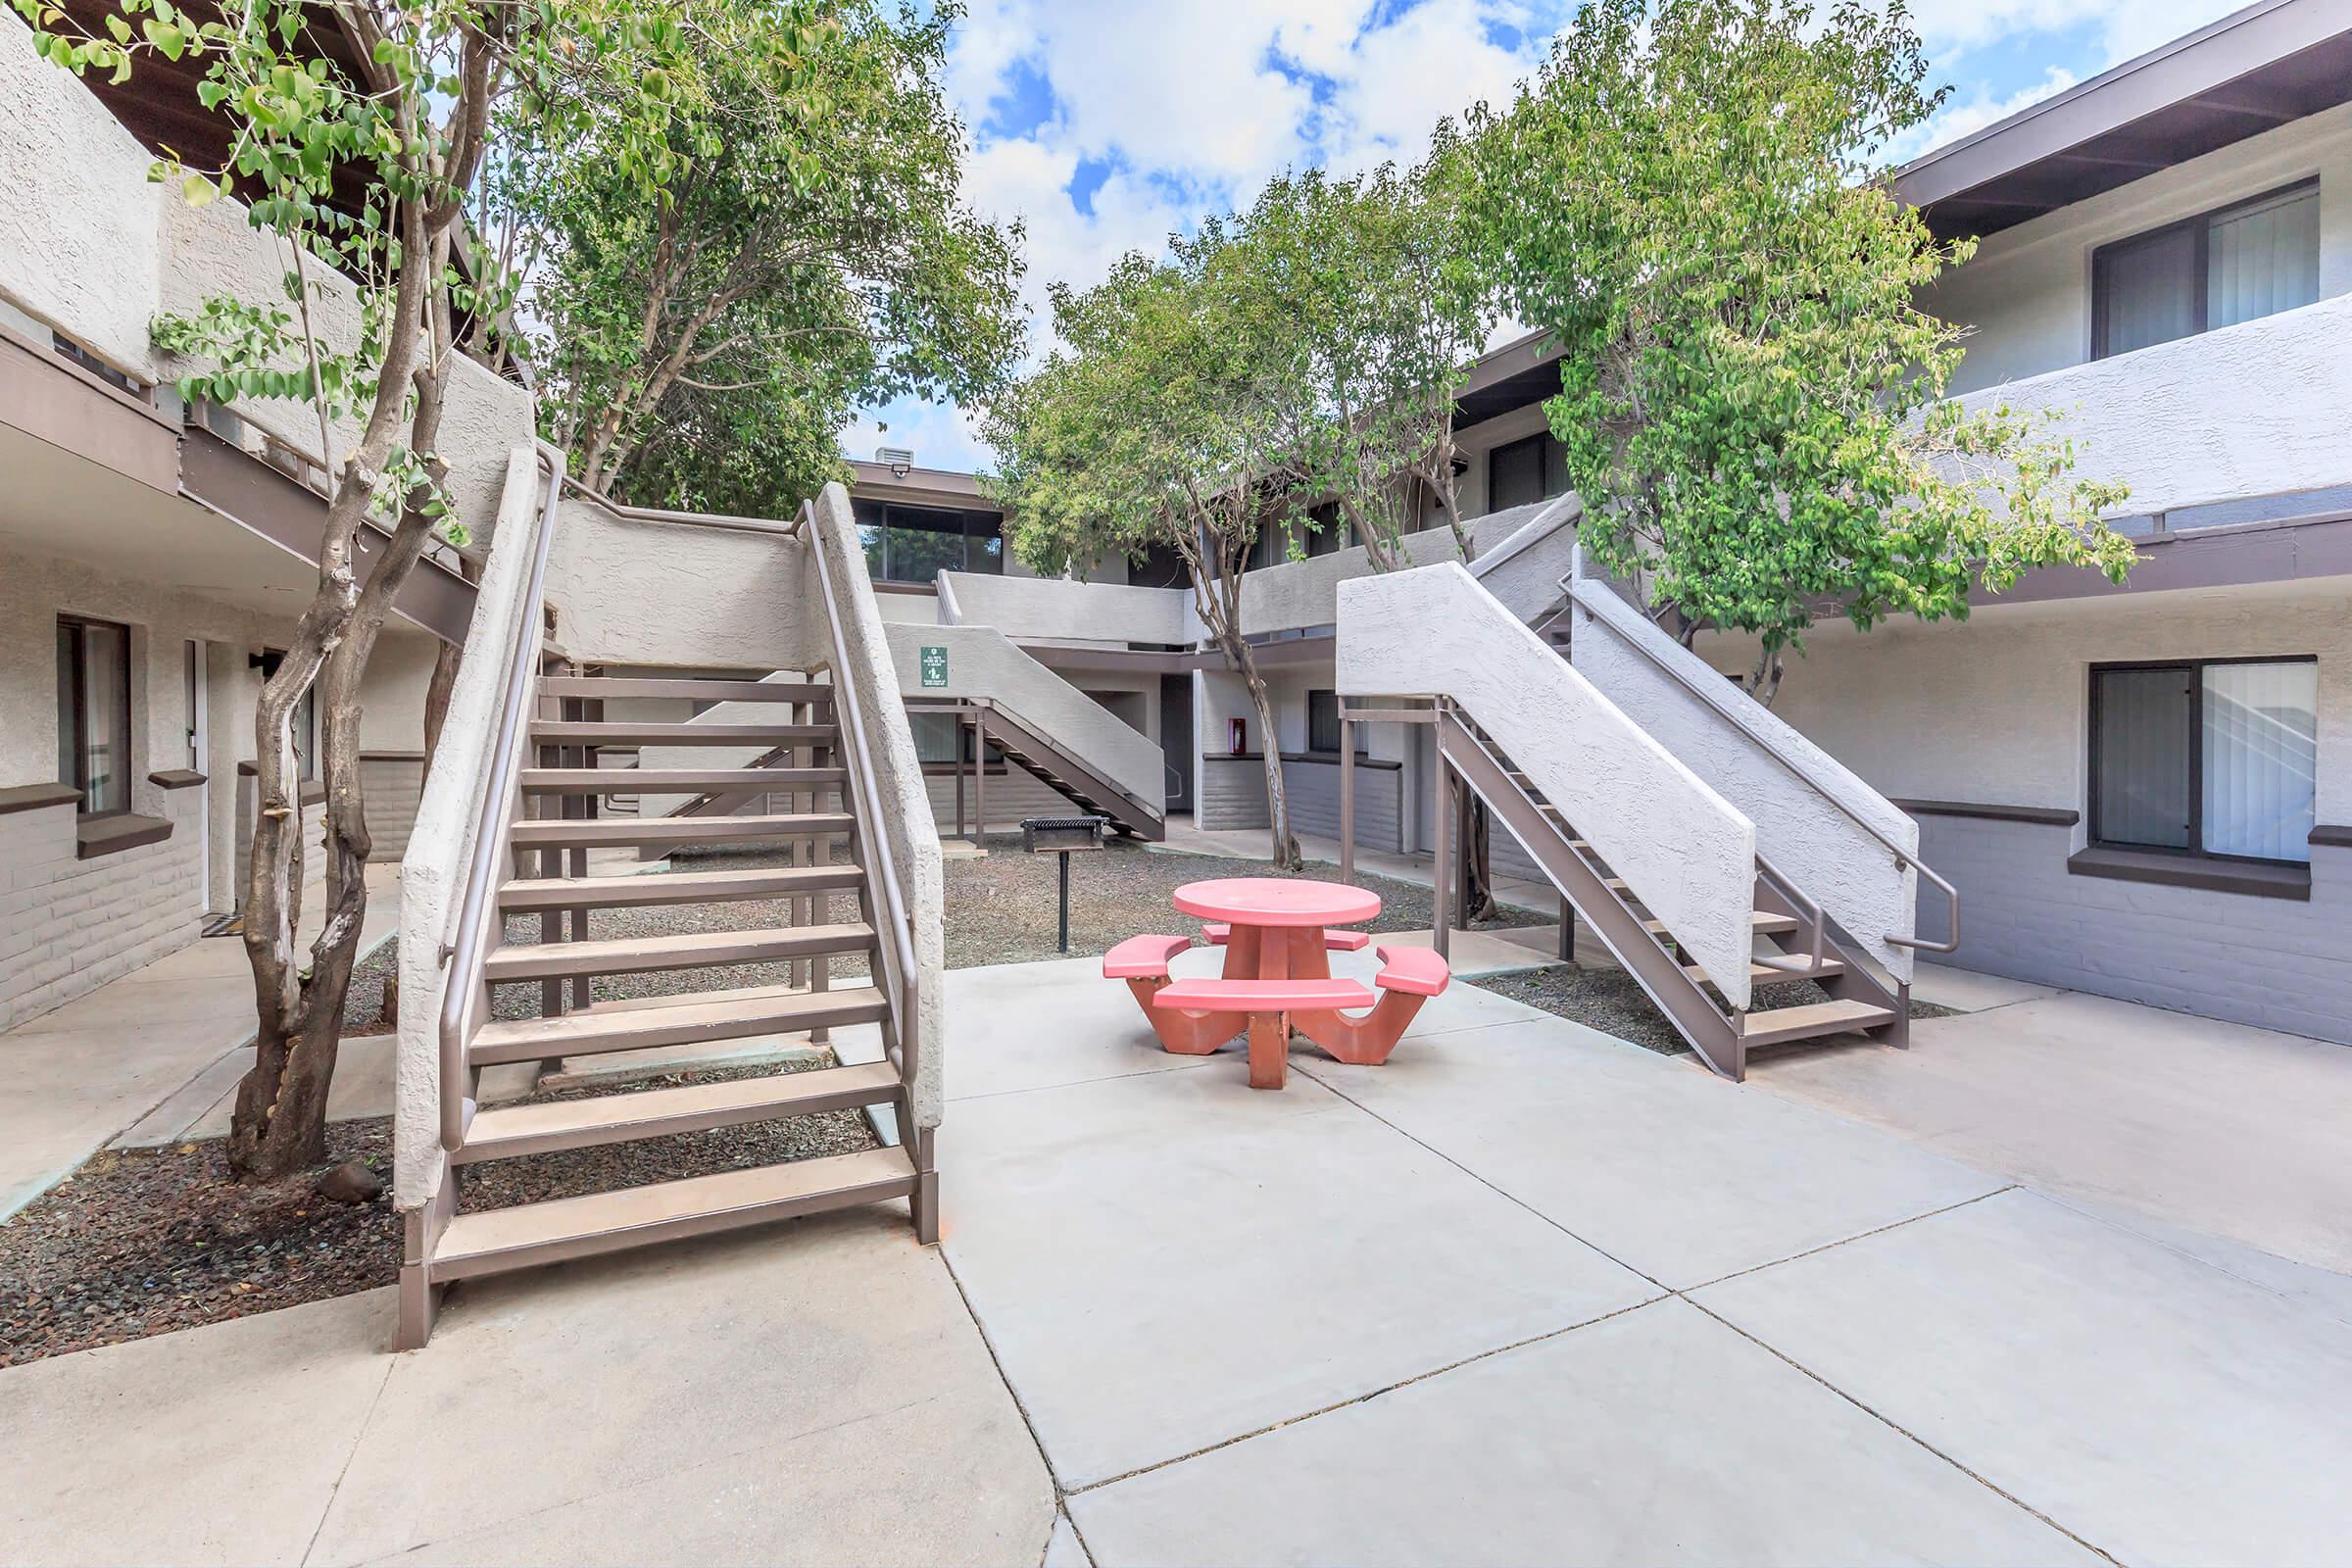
(1176, 741)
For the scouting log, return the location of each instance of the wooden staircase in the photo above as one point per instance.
(828, 894)
(1795, 940)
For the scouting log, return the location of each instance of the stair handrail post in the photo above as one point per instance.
(1579, 587)
(472, 943)
(896, 949)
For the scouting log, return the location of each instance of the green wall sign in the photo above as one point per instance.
(935, 667)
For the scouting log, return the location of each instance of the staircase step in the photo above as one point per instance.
(596, 1032)
(577, 732)
(507, 1131)
(1765, 974)
(713, 691)
(652, 888)
(687, 950)
(673, 780)
(1812, 1019)
(606, 1222)
(1761, 921)
(605, 832)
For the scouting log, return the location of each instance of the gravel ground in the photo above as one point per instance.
(1001, 907)
(1610, 1001)
(141, 1242)
(1000, 910)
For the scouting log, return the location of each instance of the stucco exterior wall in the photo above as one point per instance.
(68, 925)
(1807, 807)
(79, 241)
(1688, 853)
(671, 594)
(2026, 294)
(1059, 610)
(901, 798)
(2251, 410)
(432, 874)
(982, 663)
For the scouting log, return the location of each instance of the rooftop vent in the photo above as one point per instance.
(898, 460)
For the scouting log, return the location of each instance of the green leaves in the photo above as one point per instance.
(1753, 397)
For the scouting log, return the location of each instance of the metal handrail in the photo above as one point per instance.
(898, 953)
(725, 522)
(466, 953)
(1537, 529)
(1573, 585)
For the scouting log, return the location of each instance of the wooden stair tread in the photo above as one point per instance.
(1812, 1018)
(648, 889)
(680, 1021)
(592, 832)
(641, 732)
(671, 780)
(602, 1222)
(717, 689)
(507, 1131)
(1760, 921)
(1766, 974)
(684, 949)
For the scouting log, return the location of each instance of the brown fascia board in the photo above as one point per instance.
(933, 487)
(2197, 63)
(1514, 358)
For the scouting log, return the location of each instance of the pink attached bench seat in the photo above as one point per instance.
(1208, 1007)
(1417, 971)
(1261, 996)
(1143, 958)
(1216, 933)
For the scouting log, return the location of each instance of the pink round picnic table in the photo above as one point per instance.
(1272, 900)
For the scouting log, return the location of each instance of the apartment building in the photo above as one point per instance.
(2142, 791)
(154, 555)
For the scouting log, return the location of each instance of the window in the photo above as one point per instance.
(915, 543)
(945, 740)
(1330, 531)
(302, 718)
(1323, 723)
(2217, 270)
(93, 712)
(1526, 471)
(2205, 756)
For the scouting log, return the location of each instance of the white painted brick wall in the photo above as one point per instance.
(69, 926)
(2278, 964)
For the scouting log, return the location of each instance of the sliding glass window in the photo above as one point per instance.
(93, 712)
(2216, 270)
(2206, 757)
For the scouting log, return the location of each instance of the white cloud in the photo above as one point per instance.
(1194, 104)
(1959, 117)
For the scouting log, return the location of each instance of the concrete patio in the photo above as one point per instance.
(1525, 1294)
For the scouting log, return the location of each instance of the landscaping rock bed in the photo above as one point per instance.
(144, 1241)
(1610, 1001)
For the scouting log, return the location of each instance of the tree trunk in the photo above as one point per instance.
(445, 674)
(1278, 805)
(280, 1123)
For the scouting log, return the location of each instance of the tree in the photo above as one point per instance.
(441, 77)
(1366, 291)
(702, 345)
(1753, 401)
(1151, 428)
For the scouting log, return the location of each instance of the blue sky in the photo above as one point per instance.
(1108, 124)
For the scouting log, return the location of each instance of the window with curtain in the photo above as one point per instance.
(2206, 758)
(2238, 264)
(93, 712)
